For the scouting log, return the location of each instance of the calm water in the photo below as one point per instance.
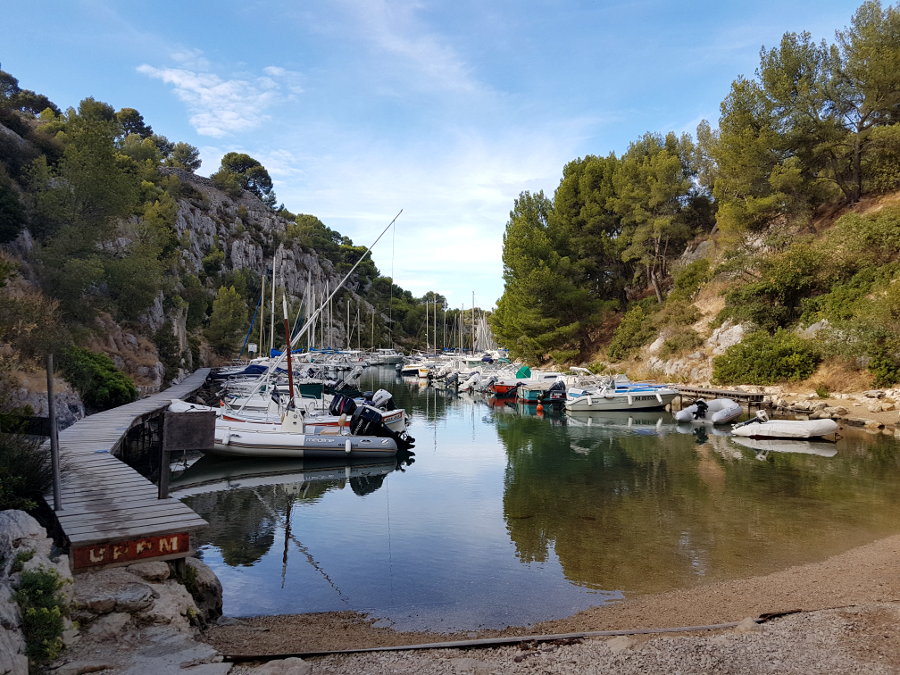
(507, 518)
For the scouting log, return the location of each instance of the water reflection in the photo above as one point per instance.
(636, 502)
(512, 515)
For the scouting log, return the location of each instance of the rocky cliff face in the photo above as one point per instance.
(251, 237)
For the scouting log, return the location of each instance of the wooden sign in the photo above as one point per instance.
(121, 552)
(195, 430)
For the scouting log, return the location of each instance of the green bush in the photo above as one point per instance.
(44, 610)
(25, 472)
(687, 280)
(764, 359)
(680, 342)
(635, 329)
(884, 366)
(95, 376)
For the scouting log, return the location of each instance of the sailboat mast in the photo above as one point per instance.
(262, 317)
(272, 327)
(287, 349)
(473, 322)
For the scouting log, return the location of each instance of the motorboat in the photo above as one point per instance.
(761, 426)
(619, 394)
(715, 411)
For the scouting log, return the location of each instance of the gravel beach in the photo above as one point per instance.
(848, 619)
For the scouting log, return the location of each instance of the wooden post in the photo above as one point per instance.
(54, 436)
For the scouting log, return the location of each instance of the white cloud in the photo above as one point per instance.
(393, 28)
(218, 106)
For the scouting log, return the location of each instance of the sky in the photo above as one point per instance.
(446, 110)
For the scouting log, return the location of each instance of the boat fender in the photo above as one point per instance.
(630, 400)
(342, 421)
(590, 402)
(658, 398)
(225, 438)
(348, 445)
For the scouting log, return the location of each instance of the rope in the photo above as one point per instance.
(495, 642)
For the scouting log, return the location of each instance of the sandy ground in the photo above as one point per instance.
(860, 589)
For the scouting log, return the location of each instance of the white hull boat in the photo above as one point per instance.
(250, 443)
(638, 398)
(716, 411)
(762, 427)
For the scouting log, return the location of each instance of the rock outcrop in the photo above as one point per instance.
(136, 619)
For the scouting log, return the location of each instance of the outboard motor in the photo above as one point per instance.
(702, 407)
(367, 421)
(556, 394)
(383, 400)
(342, 405)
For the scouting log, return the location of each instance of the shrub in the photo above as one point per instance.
(95, 376)
(681, 342)
(687, 280)
(764, 359)
(25, 472)
(44, 610)
(635, 329)
(884, 366)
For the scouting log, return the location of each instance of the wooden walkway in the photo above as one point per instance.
(740, 396)
(109, 512)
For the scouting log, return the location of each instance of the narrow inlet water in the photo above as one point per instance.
(508, 517)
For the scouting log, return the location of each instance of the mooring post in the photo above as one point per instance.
(163, 491)
(54, 436)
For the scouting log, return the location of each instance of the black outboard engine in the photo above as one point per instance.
(367, 421)
(702, 407)
(342, 405)
(556, 394)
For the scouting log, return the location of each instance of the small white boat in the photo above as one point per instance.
(716, 411)
(762, 427)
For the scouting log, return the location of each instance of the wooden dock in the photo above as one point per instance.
(109, 512)
(754, 400)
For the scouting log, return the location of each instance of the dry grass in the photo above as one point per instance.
(836, 376)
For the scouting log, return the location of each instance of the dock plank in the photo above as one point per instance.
(103, 499)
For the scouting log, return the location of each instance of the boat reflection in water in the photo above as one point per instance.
(216, 474)
(763, 446)
(632, 422)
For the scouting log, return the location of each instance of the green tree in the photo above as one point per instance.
(250, 174)
(652, 183)
(227, 321)
(586, 228)
(133, 123)
(866, 91)
(543, 309)
(184, 156)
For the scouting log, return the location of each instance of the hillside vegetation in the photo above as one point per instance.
(131, 269)
(771, 243)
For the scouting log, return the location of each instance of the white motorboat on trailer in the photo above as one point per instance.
(762, 427)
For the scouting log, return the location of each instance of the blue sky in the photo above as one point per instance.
(445, 109)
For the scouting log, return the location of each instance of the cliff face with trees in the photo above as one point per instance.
(634, 255)
(131, 269)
